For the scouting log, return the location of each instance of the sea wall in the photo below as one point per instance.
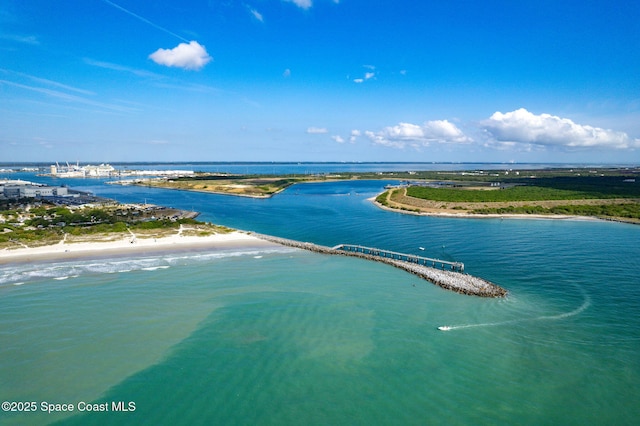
(454, 281)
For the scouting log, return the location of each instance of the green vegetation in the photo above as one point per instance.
(607, 193)
(576, 183)
(538, 189)
(516, 193)
(627, 210)
(382, 198)
(47, 224)
(575, 179)
(242, 185)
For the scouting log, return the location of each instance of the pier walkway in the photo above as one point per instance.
(426, 261)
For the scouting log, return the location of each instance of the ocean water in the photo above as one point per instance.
(283, 336)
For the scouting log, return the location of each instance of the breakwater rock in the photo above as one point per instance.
(450, 280)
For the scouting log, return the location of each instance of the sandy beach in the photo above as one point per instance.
(132, 245)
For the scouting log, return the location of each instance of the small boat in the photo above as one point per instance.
(444, 328)
(421, 248)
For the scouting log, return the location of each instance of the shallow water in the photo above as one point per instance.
(290, 337)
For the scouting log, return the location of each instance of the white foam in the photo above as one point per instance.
(586, 302)
(62, 270)
(155, 268)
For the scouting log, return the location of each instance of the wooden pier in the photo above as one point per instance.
(426, 261)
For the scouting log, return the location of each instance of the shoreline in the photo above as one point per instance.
(232, 194)
(444, 214)
(500, 216)
(133, 246)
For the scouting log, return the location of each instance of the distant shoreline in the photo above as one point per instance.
(234, 194)
(499, 216)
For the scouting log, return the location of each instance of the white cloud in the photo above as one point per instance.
(524, 127)
(256, 14)
(398, 136)
(69, 98)
(354, 135)
(30, 39)
(192, 56)
(303, 4)
(47, 82)
(367, 75)
(116, 67)
(317, 130)
(338, 138)
(286, 73)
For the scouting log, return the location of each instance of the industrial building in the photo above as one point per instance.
(23, 189)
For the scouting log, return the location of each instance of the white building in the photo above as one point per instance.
(103, 170)
(75, 171)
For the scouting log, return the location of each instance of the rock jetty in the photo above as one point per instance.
(450, 280)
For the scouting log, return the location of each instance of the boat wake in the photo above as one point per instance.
(585, 304)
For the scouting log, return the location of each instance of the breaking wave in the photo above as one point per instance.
(19, 274)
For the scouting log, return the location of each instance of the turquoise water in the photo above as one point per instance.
(289, 337)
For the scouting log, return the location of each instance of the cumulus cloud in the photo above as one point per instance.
(338, 138)
(523, 127)
(403, 134)
(192, 56)
(354, 135)
(303, 4)
(317, 130)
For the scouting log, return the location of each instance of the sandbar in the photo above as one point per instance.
(131, 246)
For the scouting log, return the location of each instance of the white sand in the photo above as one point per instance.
(132, 244)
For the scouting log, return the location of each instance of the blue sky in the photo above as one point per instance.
(320, 80)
